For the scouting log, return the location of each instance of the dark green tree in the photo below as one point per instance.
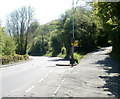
(110, 15)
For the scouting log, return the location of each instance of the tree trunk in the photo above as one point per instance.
(26, 41)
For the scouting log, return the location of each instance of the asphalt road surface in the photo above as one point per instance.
(97, 75)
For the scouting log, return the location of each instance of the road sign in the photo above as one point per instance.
(75, 43)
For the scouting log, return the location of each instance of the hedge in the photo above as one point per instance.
(15, 58)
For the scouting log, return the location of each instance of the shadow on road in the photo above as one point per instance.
(113, 79)
(58, 60)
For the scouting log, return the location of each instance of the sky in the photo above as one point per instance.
(45, 10)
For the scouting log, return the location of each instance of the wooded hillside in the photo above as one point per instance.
(94, 27)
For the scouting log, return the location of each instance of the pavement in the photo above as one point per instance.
(97, 75)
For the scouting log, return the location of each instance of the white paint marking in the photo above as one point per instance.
(30, 89)
(40, 80)
(58, 88)
(49, 72)
(45, 75)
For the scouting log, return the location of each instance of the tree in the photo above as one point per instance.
(7, 43)
(42, 39)
(110, 15)
(0, 39)
(56, 44)
(18, 25)
(85, 30)
(39, 46)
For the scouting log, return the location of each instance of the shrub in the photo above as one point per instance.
(77, 57)
(8, 46)
(26, 57)
(15, 58)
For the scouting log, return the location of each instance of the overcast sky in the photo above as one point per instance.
(46, 10)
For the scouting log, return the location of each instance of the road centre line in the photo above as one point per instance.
(30, 89)
(49, 72)
(40, 80)
(58, 88)
(45, 76)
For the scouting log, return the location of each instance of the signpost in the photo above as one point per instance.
(75, 43)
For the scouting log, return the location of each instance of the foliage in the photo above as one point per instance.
(1, 32)
(42, 39)
(16, 58)
(88, 31)
(39, 46)
(56, 45)
(93, 28)
(77, 57)
(85, 30)
(7, 43)
(109, 13)
(8, 46)
(18, 25)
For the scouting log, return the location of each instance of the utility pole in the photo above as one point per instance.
(42, 45)
(73, 19)
(73, 28)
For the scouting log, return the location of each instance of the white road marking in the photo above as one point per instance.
(49, 72)
(40, 80)
(30, 89)
(58, 88)
(45, 76)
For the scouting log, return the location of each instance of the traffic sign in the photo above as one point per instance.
(75, 43)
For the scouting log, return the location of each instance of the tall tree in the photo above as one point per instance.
(18, 25)
(110, 15)
(85, 30)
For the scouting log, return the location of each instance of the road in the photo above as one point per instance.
(40, 77)
(25, 75)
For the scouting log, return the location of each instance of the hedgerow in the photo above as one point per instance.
(15, 58)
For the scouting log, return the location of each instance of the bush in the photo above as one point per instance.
(56, 45)
(8, 45)
(15, 58)
(39, 47)
(77, 57)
